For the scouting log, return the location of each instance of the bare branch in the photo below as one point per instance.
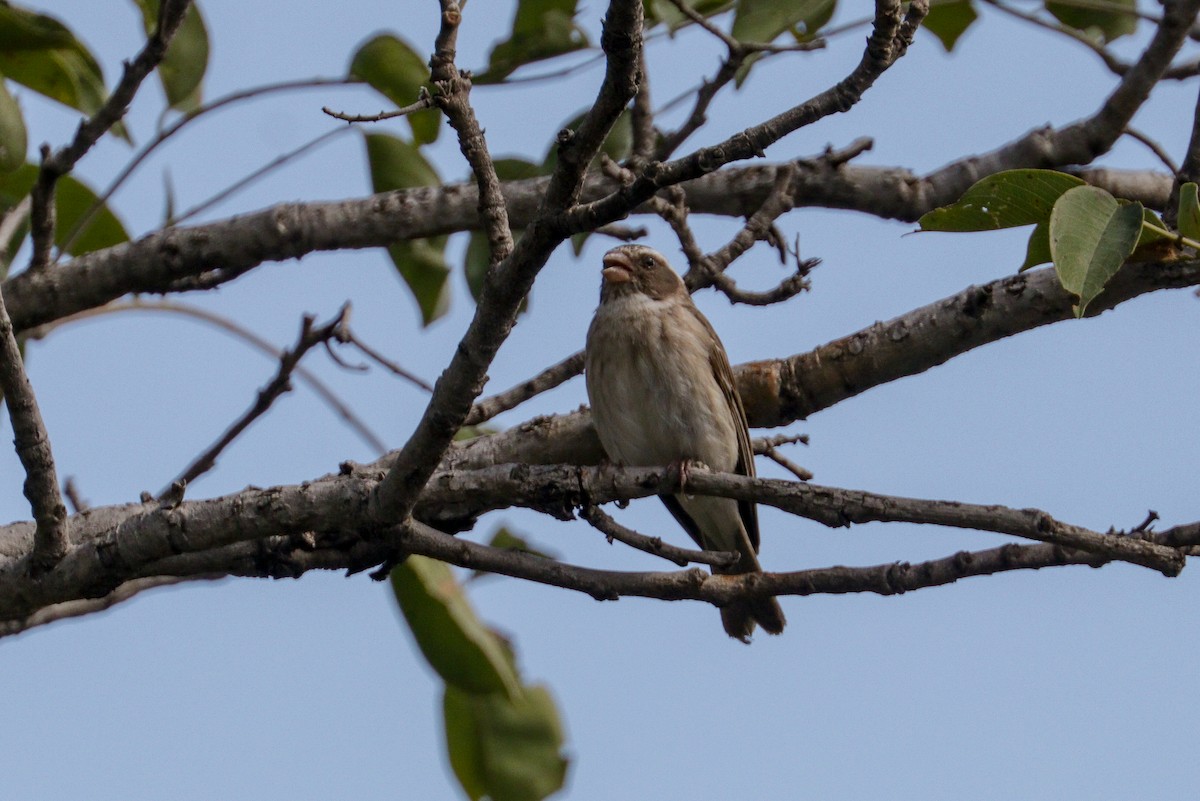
(240, 332)
(654, 545)
(162, 136)
(425, 101)
(88, 606)
(309, 338)
(52, 538)
(508, 281)
(777, 392)
(544, 381)
(116, 544)
(1190, 171)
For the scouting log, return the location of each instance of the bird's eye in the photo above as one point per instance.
(647, 261)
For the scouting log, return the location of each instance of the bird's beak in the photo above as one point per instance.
(617, 268)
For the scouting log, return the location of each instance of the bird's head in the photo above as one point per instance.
(637, 269)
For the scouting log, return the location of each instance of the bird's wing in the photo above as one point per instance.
(723, 373)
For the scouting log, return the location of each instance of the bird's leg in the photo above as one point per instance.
(682, 470)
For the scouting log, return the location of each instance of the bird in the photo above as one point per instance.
(662, 392)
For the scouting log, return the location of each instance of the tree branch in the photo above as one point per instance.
(507, 282)
(289, 360)
(174, 259)
(51, 541)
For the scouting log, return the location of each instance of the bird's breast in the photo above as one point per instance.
(655, 399)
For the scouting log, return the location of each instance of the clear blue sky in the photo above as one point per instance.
(1060, 683)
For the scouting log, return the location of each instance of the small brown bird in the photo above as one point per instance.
(662, 392)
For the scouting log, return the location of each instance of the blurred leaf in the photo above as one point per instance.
(1091, 235)
(1007, 199)
(662, 11)
(422, 265)
(466, 654)
(616, 145)
(13, 140)
(1104, 24)
(1152, 245)
(764, 20)
(505, 749)
(517, 169)
(72, 201)
(182, 69)
(397, 72)
(397, 164)
(169, 204)
(948, 21)
(1189, 211)
(40, 52)
(473, 432)
(476, 262)
(505, 539)
(541, 29)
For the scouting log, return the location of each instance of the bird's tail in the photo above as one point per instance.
(739, 618)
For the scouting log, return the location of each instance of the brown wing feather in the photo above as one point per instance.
(719, 361)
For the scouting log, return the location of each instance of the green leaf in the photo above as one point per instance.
(38, 51)
(182, 69)
(72, 200)
(1007, 199)
(422, 265)
(1037, 252)
(505, 749)
(948, 21)
(397, 164)
(13, 139)
(1189, 211)
(1103, 24)
(464, 652)
(476, 262)
(1091, 236)
(397, 72)
(541, 29)
(764, 20)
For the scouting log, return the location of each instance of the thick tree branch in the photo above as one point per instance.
(332, 516)
(507, 282)
(205, 256)
(777, 392)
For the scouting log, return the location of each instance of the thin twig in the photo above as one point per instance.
(544, 381)
(270, 166)
(87, 606)
(1189, 171)
(353, 339)
(74, 497)
(424, 102)
(51, 539)
(653, 545)
(310, 337)
(238, 331)
(191, 116)
(1154, 148)
(801, 473)
(62, 161)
